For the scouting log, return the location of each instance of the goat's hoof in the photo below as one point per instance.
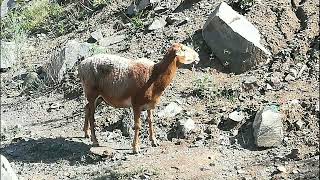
(154, 144)
(135, 150)
(86, 136)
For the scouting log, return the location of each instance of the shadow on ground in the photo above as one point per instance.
(49, 150)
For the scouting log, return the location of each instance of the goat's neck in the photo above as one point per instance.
(164, 72)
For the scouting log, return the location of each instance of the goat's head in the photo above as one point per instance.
(185, 55)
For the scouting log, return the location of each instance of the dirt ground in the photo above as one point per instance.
(41, 131)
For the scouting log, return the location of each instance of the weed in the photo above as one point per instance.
(203, 87)
(28, 19)
(37, 14)
(137, 21)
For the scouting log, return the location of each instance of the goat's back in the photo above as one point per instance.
(112, 75)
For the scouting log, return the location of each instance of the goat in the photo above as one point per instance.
(122, 83)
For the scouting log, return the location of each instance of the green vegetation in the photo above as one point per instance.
(28, 19)
(203, 87)
(43, 16)
(137, 21)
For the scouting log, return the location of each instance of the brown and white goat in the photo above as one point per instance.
(123, 82)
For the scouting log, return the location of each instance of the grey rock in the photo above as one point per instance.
(132, 9)
(103, 151)
(293, 72)
(72, 52)
(107, 41)
(282, 169)
(268, 127)
(172, 18)
(7, 172)
(145, 3)
(95, 36)
(8, 54)
(303, 68)
(234, 40)
(32, 81)
(268, 86)
(299, 124)
(6, 6)
(170, 110)
(66, 59)
(275, 79)
(185, 126)
(289, 78)
(157, 24)
(137, 6)
(250, 82)
(236, 116)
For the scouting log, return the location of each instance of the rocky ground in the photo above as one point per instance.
(42, 111)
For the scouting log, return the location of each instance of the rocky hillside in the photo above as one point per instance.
(212, 122)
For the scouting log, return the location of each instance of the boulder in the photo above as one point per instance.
(137, 6)
(7, 172)
(6, 6)
(95, 36)
(157, 24)
(234, 40)
(170, 110)
(268, 127)
(184, 127)
(8, 55)
(66, 59)
(236, 116)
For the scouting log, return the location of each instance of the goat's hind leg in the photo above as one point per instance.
(86, 121)
(137, 127)
(152, 135)
(89, 117)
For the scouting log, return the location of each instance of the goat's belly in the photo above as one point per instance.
(118, 103)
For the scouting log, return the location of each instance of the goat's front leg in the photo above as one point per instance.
(152, 135)
(137, 127)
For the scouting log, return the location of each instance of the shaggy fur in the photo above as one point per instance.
(122, 82)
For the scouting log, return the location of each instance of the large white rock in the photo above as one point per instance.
(157, 24)
(268, 127)
(233, 39)
(7, 173)
(8, 54)
(170, 110)
(67, 59)
(6, 6)
(185, 126)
